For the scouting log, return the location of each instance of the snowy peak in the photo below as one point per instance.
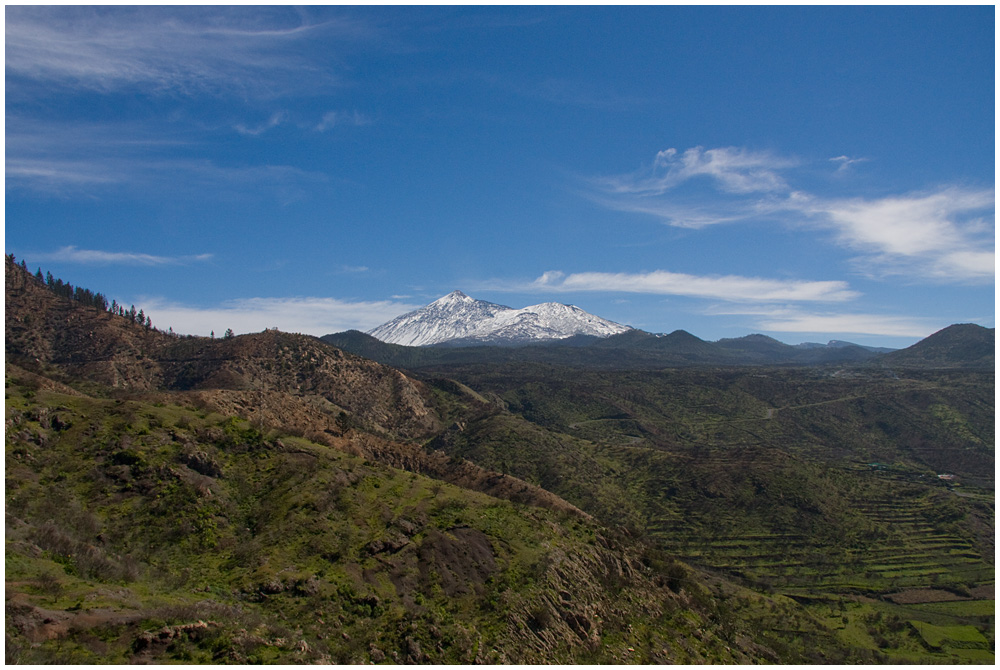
(453, 298)
(457, 317)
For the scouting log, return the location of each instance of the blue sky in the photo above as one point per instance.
(808, 173)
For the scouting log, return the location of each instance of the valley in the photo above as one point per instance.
(273, 498)
(819, 486)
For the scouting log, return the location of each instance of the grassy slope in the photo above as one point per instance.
(139, 532)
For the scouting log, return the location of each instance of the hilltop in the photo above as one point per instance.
(963, 345)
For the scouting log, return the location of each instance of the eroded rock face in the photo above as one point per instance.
(202, 463)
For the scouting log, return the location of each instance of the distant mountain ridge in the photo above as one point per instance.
(965, 346)
(457, 319)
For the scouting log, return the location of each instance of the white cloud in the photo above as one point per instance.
(311, 316)
(787, 319)
(729, 287)
(943, 234)
(735, 170)
(852, 324)
(936, 234)
(169, 49)
(71, 254)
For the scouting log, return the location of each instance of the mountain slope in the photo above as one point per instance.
(460, 320)
(56, 336)
(297, 382)
(177, 536)
(963, 345)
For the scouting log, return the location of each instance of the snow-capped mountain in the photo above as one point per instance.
(457, 318)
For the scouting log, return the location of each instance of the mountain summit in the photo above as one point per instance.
(458, 319)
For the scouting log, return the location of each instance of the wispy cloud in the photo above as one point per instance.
(60, 157)
(732, 169)
(78, 171)
(844, 162)
(785, 319)
(942, 234)
(55, 175)
(695, 212)
(726, 287)
(857, 324)
(164, 49)
(334, 118)
(252, 55)
(312, 316)
(71, 254)
(272, 122)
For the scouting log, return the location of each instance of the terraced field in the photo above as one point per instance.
(905, 551)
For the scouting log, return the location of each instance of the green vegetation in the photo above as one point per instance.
(267, 498)
(159, 532)
(938, 636)
(804, 482)
(961, 608)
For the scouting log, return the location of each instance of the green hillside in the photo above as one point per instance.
(142, 532)
(819, 485)
(270, 498)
